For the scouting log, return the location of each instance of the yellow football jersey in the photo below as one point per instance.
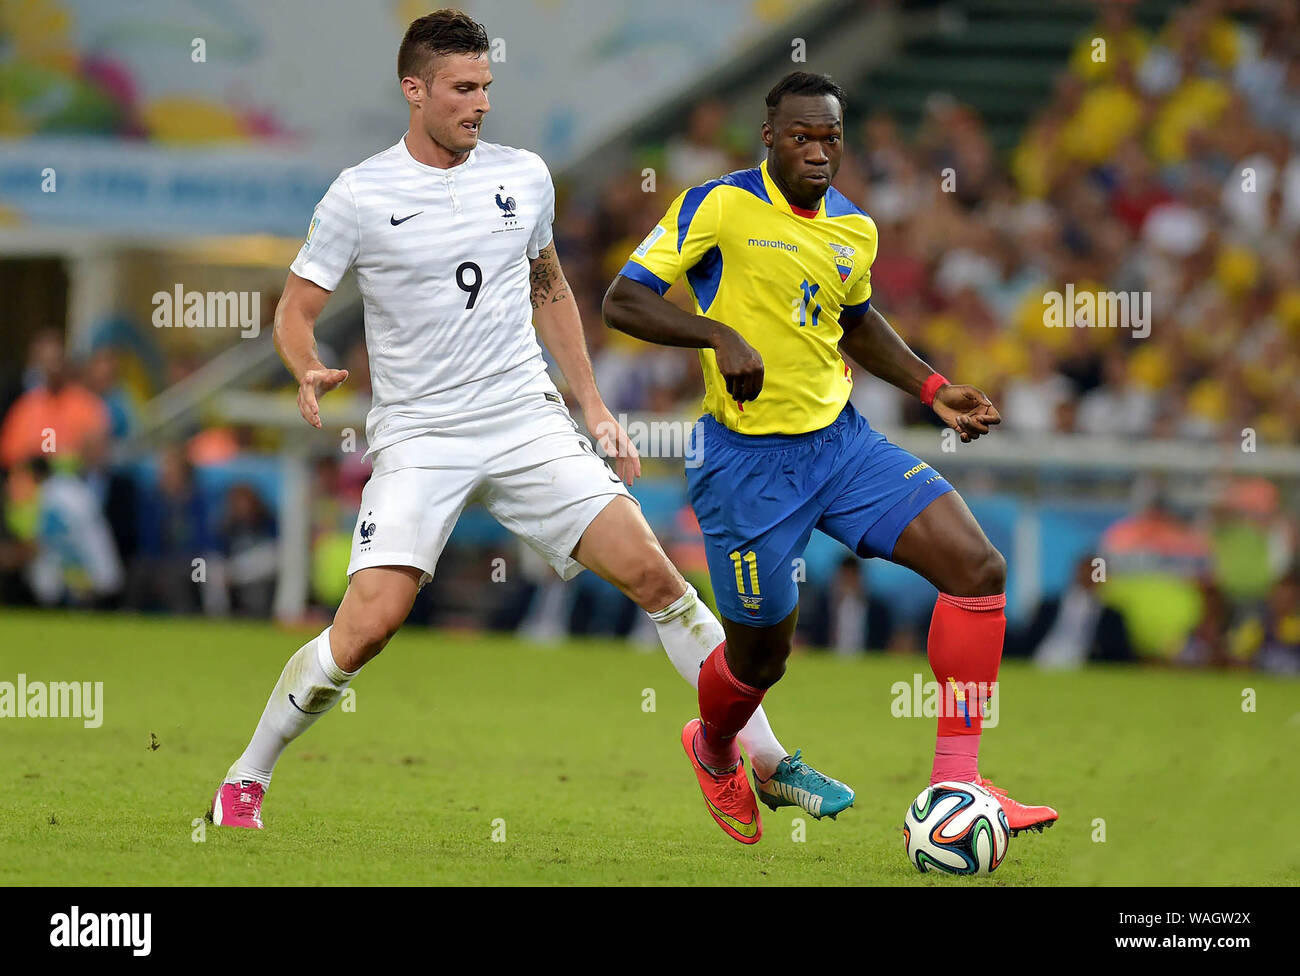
(778, 277)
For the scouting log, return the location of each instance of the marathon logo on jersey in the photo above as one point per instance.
(367, 530)
(843, 260)
(775, 244)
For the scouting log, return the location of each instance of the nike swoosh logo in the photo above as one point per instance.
(394, 221)
(303, 710)
(744, 829)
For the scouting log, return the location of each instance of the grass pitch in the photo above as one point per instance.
(457, 737)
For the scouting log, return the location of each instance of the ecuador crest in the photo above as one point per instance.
(843, 260)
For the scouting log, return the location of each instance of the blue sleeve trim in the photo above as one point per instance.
(690, 204)
(706, 276)
(856, 309)
(643, 276)
(750, 180)
(838, 205)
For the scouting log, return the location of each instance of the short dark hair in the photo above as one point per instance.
(804, 83)
(441, 32)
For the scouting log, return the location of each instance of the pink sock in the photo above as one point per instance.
(956, 757)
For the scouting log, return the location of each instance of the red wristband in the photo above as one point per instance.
(931, 386)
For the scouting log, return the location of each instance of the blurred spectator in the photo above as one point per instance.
(115, 493)
(1117, 408)
(1030, 402)
(17, 548)
(699, 153)
(248, 543)
(1121, 41)
(1155, 564)
(844, 617)
(1136, 189)
(1156, 538)
(103, 378)
(1261, 74)
(1279, 651)
(1268, 176)
(1250, 542)
(551, 600)
(174, 532)
(1075, 627)
(56, 414)
(1015, 277)
(334, 513)
(76, 561)
(1207, 645)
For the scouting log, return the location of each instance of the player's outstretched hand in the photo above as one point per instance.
(314, 383)
(966, 410)
(615, 443)
(740, 365)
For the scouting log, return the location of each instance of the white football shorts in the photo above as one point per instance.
(525, 460)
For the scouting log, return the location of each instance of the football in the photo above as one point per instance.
(958, 828)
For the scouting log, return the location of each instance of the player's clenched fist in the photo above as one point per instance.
(966, 410)
(314, 383)
(740, 365)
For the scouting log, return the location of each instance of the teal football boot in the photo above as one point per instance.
(796, 784)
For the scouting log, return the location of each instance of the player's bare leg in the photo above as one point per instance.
(373, 608)
(946, 546)
(758, 655)
(620, 547)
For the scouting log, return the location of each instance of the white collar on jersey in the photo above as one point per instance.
(428, 170)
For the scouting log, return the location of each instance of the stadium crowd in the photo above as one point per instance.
(1166, 167)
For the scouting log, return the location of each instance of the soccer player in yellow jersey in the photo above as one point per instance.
(779, 265)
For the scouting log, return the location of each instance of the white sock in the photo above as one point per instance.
(689, 634)
(315, 683)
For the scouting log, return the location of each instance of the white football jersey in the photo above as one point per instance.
(441, 258)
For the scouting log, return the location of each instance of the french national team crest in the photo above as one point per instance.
(509, 208)
(843, 260)
(508, 205)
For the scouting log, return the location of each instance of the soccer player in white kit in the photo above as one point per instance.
(450, 240)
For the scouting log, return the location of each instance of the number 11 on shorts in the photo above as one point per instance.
(751, 558)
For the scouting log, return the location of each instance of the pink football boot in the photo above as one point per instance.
(238, 805)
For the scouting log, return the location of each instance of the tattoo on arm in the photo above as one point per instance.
(546, 279)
